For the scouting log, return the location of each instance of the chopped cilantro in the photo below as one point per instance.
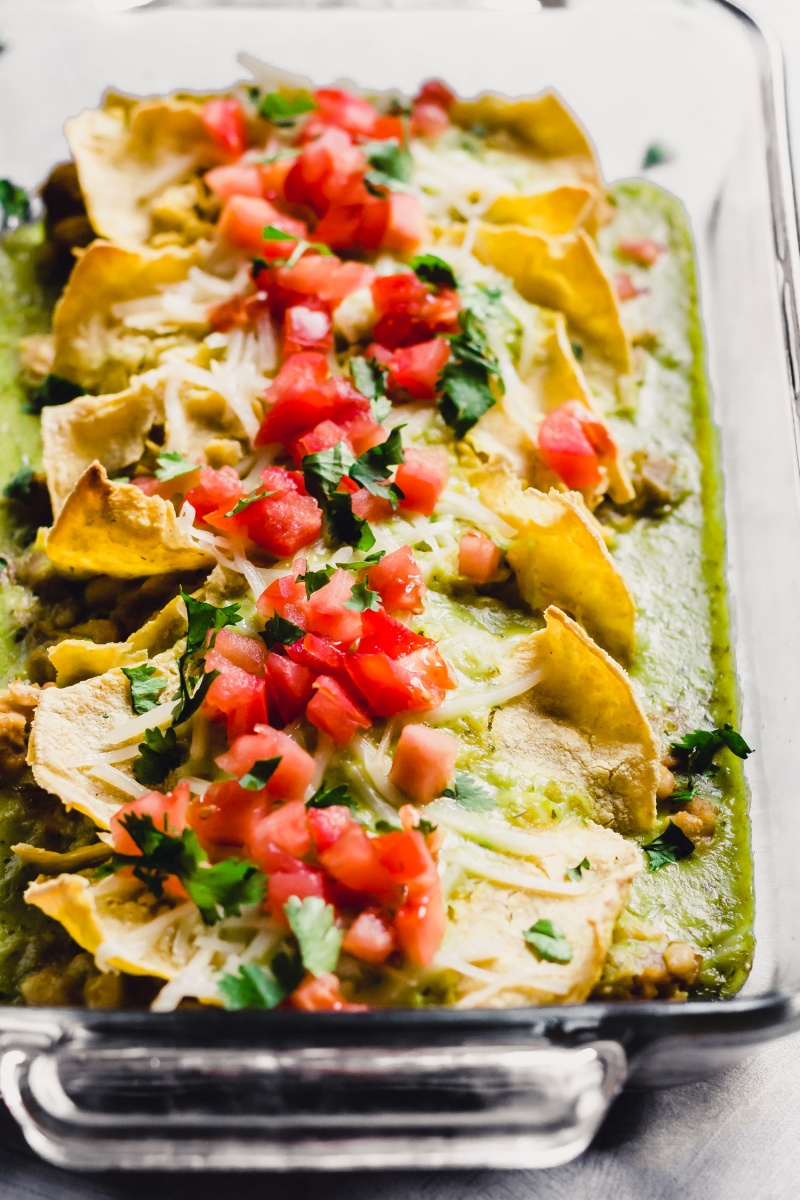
(697, 750)
(52, 391)
(203, 619)
(281, 108)
(465, 381)
(146, 686)
(250, 987)
(345, 526)
(362, 598)
(390, 166)
(656, 154)
(384, 826)
(260, 774)
(22, 485)
(362, 564)
(371, 469)
(483, 300)
(280, 632)
(171, 464)
(271, 233)
(577, 350)
(548, 941)
(434, 270)
(470, 793)
(425, 826)
(574, 873)
(668, 847)
(218, 891)
(331, 797)
(312, 922)
(15, 204)
(322, 473)
(683, 795)
(314, 580)
(260, 493)
(159, 754)
(370, 379)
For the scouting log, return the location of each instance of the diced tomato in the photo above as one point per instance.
(328, 613)
(370, 508)
(324, 278)
(306, 328)
(413, 683)
(410, 818)
(353, 860)
(239, 312)
(642, 251)
(362, 430)
(321, 437)
(215, 489)
(147, 484)
(370, 937)
(284, 520)
(566, 448)
(434, 91)
(286, 597)
(225, 122)
(282, 885)
(328, 169)
(384, 633)
(352, 113)
(625, 287)
(294, 772)
(285, 827)
(289, 687)
(248, 653)
(302, 395)
(407, 227)
(167, 811)
(334, 711)
(409, 312)
(478, 557)
(422, 478)
(398, 579)
(322, 993)
(317, 654)
(244, 219)
(223, 815)
(406, 856)
(423, 762)
(416, 369)
(420, 924)
(328, 824)
(428, 120)
(235, 179)
(237, 694)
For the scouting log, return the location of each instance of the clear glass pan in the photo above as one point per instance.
(521, 1088)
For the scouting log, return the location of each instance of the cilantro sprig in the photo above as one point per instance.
(313, 923)
(324, 471)
(669, 847)
(159, 754)
(465, 381)
(548, 941)
(260, 493)
(260, 774)
(470, 793)
(697, 750)
(574, 874)
(146, 686)
(204, 623)
(390, 166)
(362, 598)
(369, 377)
(282, 108)
(218, 891)
(171, 465)
(332, 797)
(434, 270)
(250, 987)
(280, 632)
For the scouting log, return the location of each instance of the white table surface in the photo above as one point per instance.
(735, 1137)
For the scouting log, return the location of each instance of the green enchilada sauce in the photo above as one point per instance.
(674, 563)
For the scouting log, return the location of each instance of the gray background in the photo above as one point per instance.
(735, 1137)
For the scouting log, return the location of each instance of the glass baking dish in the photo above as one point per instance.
(521, 1088)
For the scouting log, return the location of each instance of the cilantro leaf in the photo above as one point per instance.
(218, 891)
(287, 967)
(15, 204)
(362, 598)
(323, 471)
(697, 750)
(548, 941)
(369, 376)
(668, 847)
(483, 300)
(345, 526)
(250, 987)
(260, 774)
(470, 793)
(314, 580)
(465, 380)
(271, 233)
(655, 154)
(390, 166)
(280, 632)
(384, 826)
(191, 696)
(159, 754)
(52, 391)
(425, 826)
(171, 464)
(574, 873)
(22, 485)
(312, 922)
(434, 270)
(683, 795)
(146, 686)
(362, 564)
(260, 493)
(281, 108)
(325, 797)
(371, 469)
(206, 618)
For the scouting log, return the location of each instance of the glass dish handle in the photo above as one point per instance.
(90, 1102)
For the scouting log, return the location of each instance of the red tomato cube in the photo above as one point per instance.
(407, 228)
(235, 179)
(246, 652)
(306, 328)
(167, 810)
(225, 122)
(242, 223)
(285, 827)
(282, 885)
(334, 712)
(398, 579)
(478, 557)
(294, 772)
(353, 861)
(289, 687)
(370, 937)
(567, 450)
(328, 614)
(420, 924)
(423, 762)
(416, 369)
(327, 824)
(422, 478)
(322, 993)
